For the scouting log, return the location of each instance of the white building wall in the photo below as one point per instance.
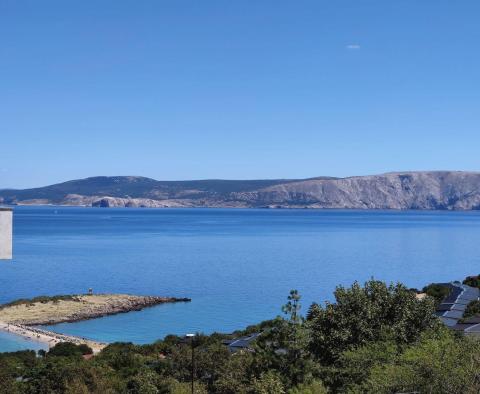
(6, 218)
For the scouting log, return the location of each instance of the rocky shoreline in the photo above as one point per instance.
(137, 305)
(22, 316)
(423, 190)
(82, 307)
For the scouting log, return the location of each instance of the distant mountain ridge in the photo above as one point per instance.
(442, 190)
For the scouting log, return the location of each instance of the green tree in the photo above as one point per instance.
(76, 386)
(473, 281)
(236, 375)
(354, 366)
(211, 362)
(283, 347)
(7, 381)
(292, 307)
(62, 374)
(437, 290)
(441, 363)
(313, 311)
(125, 358)
(147, 382)
(68, 349)
(315, 387)
(13, 366)
(296, 337)
(361, 315)
(268, 383)
(472, 309)
(185, 388)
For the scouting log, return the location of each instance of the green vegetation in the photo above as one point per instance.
(373, 338)
(437, 291)
(473, 281)
(67, 349)
(472, 309)
(140, 187)
(42, 299)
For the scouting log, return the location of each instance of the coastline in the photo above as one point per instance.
(434, 190)
(74, 308)
(23, 317)
(48, 338)
(274, 207)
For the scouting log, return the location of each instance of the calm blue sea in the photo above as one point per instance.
(237, 265)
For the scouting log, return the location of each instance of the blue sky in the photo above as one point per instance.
(236, 89)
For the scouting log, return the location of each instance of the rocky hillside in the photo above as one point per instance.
(129, 188)
(409, 190)
(444, 190)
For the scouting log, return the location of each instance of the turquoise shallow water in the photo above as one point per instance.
(12, 343)
(237, 265)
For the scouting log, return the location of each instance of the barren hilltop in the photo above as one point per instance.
(443, 190)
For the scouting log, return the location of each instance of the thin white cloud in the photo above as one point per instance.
(353, 47)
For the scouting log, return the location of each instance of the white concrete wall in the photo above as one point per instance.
(6, 218)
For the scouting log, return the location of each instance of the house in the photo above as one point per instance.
(469, 326)
(242, 343)
(452, 308)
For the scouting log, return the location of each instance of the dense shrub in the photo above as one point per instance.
(68, 349)
(438, 291)
(472, 309)
(361, 315)
(440, 363)
(473, 281)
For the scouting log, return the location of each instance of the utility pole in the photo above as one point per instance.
(192, 336)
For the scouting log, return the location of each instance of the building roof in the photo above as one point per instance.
(241, 343)
(472, 320)
(453, 306)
